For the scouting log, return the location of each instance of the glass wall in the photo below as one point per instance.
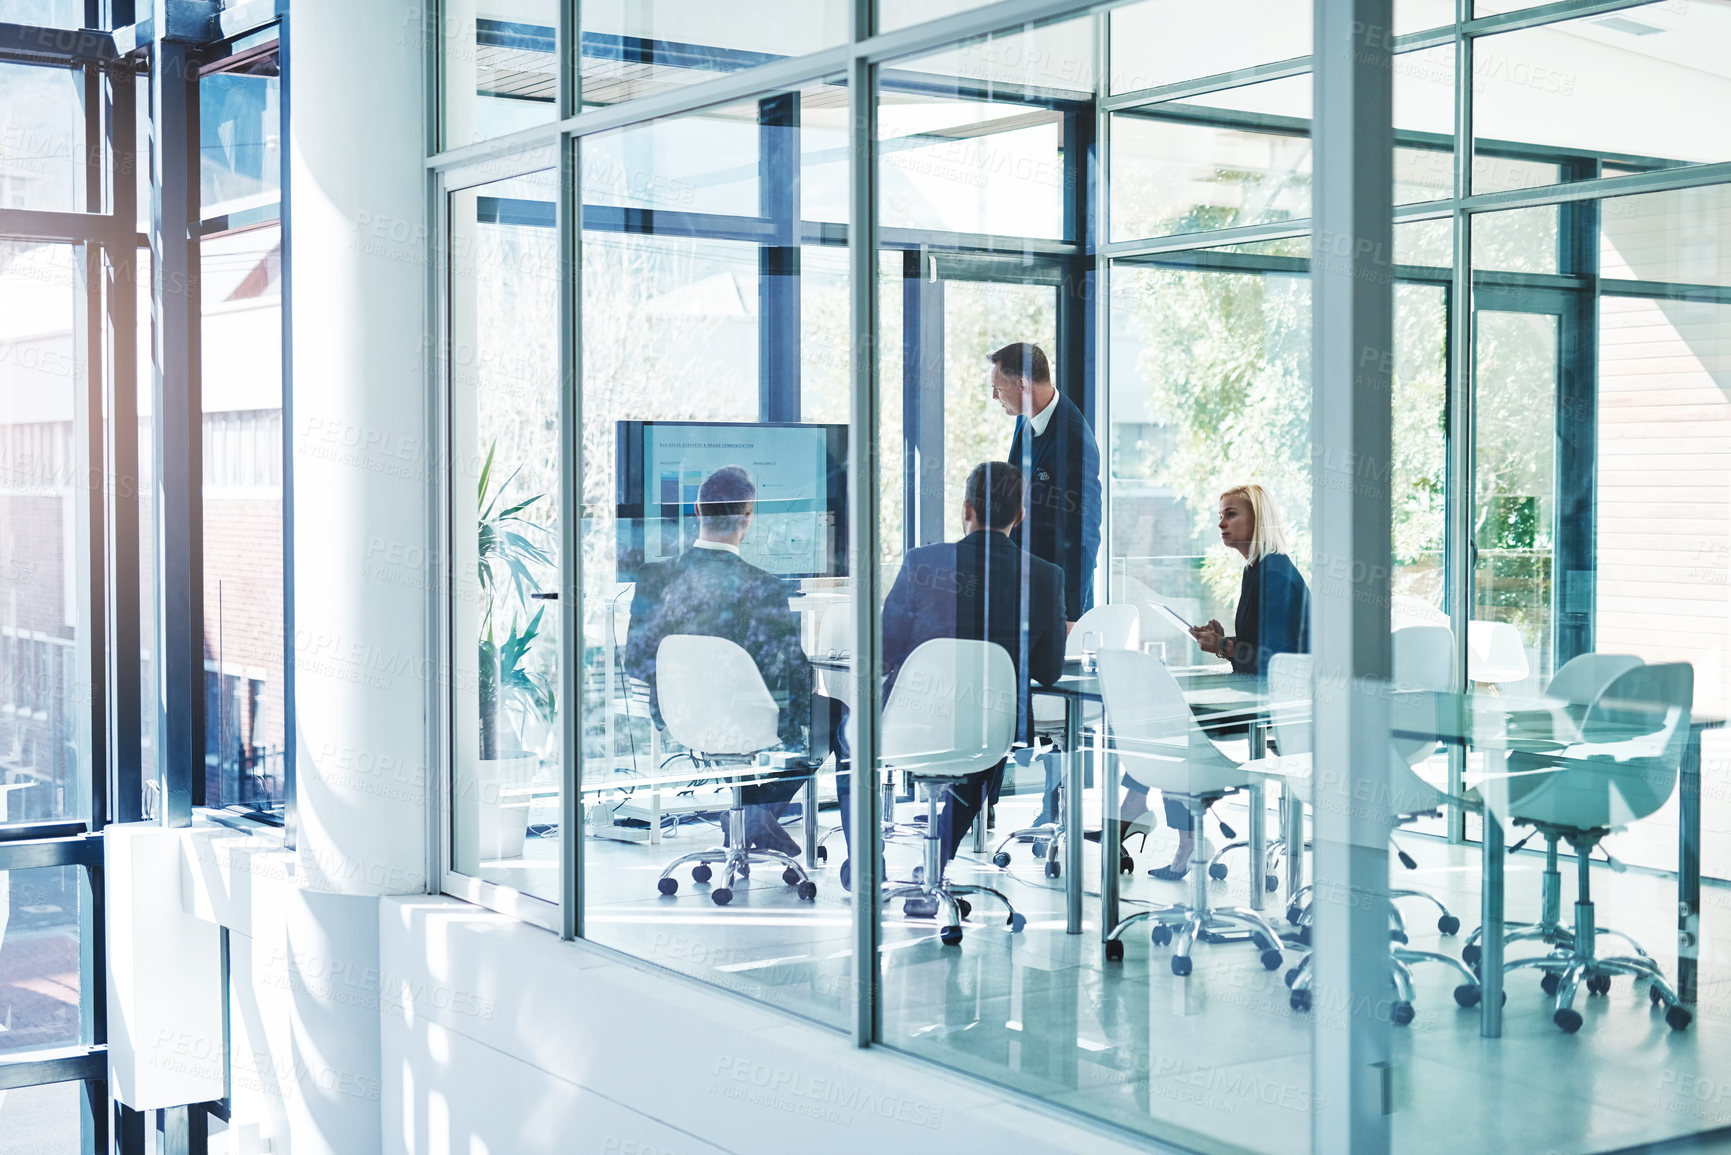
(1135, 195)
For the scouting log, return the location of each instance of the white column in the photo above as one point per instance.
(364, 466)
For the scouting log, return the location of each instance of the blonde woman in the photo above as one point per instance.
(1273, 618)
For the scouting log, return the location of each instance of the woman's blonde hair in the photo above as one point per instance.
(1270, 535)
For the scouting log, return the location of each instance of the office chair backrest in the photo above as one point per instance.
(713, 698)
(1634, 735)
(953, 709)
(1495, 653)
(1584, 677)
(1154, 732)
(1291, 679)
(1117, 626)
(1424, 667)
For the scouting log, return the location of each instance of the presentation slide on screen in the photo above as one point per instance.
(790, 533)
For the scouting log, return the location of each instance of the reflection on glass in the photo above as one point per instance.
(717, 611)
(41, 369)
(42, 161)
(1181, 176)
(1682, 236)
(1517, 240)
(505, 465)
(1604, 87)
(39, 967)
(241, 349)
(1160, 42)
(240, 146)
(499, 67)
(46, 13)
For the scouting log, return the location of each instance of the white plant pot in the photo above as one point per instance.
(493, 808)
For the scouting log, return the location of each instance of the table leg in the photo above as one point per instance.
(1491, 937)
(1073, 819)
(1258, 839)
(810, 823)
(1292, 830)
(1689, 869)
(980, 826)
(1109, 815)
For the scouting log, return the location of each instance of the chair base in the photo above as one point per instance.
(735, 861)
(1400, 963)
(932, 885)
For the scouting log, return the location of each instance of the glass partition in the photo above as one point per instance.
(714, 465)
(504, 318)
(499, 67)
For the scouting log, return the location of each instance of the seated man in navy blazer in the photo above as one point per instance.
(973, 588)
(709, 589)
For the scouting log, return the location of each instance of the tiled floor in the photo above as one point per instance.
(1217, 1061)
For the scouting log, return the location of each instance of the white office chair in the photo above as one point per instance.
(951, 713)
(715, 705)
(1423, 661)
(1163, 748)
(1623, 769)
(1495, 653)
(1114, 627)
(1573, 690)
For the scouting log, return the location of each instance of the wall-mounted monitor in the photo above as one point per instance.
(799, 527)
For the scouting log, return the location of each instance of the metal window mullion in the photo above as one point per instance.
(863, 516)
(291, 730)
(1352, 279)
(441, 744)
(176, 425)
(1458, 546)
(120, 475)
(570, 223)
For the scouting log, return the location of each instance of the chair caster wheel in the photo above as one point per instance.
(1397, 936)
(1599, 985)
(1549, 983)
(1654, 996)
(1160, 935)
(919, 876)
(1126, 864)
(823, 854)
(808, 891)
(790, 876)
(1271, 883)
(1016, 921)
(1568, 1019)
(1039, 849)
(744, 870)
(1401, 1013)
(1471, 953)
(701, 873)
(1678, 1019)
(721, 895)
(1448, 924)
(964, 907)
(1467, 995)
(1115, 950)
(1294, 913)
(1053, 870)
(1290, 977)
(1181, 965)
(1304, 935)
(1299, 1000)
(668, 886)
(1001, 860)
(1271, 960)
(950, 935)
(1217, 871)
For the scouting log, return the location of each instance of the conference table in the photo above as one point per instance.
(1479, 720)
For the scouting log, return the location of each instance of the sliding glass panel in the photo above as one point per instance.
(1606, 88)
(41, 766)
(717, 606)
(504, 535)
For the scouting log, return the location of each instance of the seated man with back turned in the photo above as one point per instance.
(973, 589)
(711, 590)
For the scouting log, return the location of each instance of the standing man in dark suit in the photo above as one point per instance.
(1055, 449)
(710, 590)
(973, 588)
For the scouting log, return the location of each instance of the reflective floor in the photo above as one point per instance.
(1218, 1060)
